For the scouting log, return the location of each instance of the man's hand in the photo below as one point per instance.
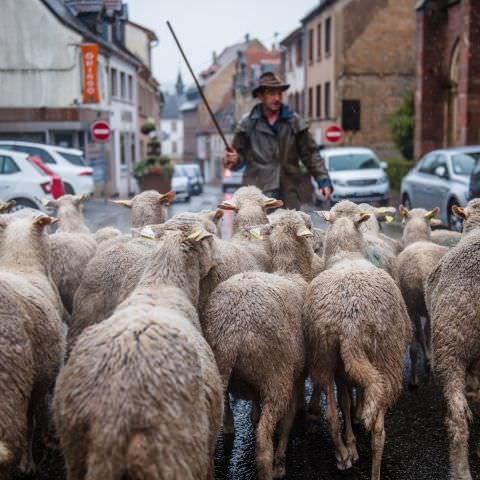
(230, 158)
(326, 193)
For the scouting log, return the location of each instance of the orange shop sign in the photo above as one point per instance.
(90, 81)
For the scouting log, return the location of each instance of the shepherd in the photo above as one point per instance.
(270, 142)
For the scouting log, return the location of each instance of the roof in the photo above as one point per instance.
(292, 36)
(466, 149)
(171, 107)
(323, 5)
(67, 17)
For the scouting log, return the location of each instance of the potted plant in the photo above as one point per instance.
(155, 171)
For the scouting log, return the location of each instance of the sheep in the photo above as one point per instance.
(71, 246)
(255, 318)
(376, 248)
(31, 338)
(141, 395)
(250, 206)
(446, 238)
(357, 330)
(6, 206)
(452, 294)
(416, 262)
(112, 274)
(106, 233)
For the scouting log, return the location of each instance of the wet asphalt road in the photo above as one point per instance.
(416, 445)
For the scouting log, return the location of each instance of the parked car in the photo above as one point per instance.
(357, 174)
(195, 176)
(22, 180)
(441, 179)
(68, 163)
(181, 184)
(231, 179)
(474, 190)
(58, 188)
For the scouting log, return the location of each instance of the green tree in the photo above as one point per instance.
(402, 126)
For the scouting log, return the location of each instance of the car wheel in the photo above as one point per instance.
(406, 202)
(187, 199)
(21, 203)
(454, 223)
(69, 189)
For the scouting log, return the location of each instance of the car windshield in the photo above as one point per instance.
(191, 170)
(179, 172)
(463, 163)
(73, 158)
(352, 161)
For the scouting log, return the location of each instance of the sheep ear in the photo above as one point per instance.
(432, 213)
(6, 206)
(360, 218)
(272, 203)
(304, 232)
(147, 232)
(435, 221)
(325, 215)
(226, 205)
(167, 198)
(198, 234)
(258, 232)
(123, 203)
(78, 199)
(46, 203)
(44, 220)
(403, 211)
(459, 212)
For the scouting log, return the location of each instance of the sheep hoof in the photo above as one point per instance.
(413, 383)
(279, 470)
(27, 466)
(353, 452)
(345, 464)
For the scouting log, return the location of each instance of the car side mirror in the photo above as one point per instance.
(384, 165)
(440, 171)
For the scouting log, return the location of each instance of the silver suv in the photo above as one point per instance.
(441, 179)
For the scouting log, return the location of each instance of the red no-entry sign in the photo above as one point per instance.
(101, 131)
(333, 133)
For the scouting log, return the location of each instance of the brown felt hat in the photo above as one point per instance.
(269, 80)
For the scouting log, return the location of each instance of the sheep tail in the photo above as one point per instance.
(359, 368)
(6, 456)
(136, 460)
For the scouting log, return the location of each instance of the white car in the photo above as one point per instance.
(21, 180)
(67, 163)
(181, 184)
(357, 174)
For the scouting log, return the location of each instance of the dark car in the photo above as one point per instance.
(474, 189)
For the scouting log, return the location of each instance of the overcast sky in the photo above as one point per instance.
(204, 26)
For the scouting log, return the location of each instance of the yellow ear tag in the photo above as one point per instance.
(147, 232)
(382, 210)
(388, 219)
(256, 233)
(194, 235)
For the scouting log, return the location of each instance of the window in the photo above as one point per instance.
(302, 102)
(299, 50)
(130, 88)
(327, 100)
(463, 163)
(297, 102)
(174, 125)
(123, 157)
(114, 82)
(310, 102)
(132, 148)
(355, 161)
(428, 163)
(8, 166)
(74, 159)
(319, 101)
(351, 115)
(310, 45)
(123, 93)
(174, 147)
(45, 156)
(289, 54)
(328, 34)
(319, 42)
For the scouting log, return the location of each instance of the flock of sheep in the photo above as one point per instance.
(141, 339)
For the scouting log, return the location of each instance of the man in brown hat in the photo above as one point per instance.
(270, 141)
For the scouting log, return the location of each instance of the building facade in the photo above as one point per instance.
(293, 69)
(447, 100)
(360, 64)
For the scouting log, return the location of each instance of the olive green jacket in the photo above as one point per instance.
(271, 155)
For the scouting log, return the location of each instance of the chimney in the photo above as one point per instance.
(247, 37)
(214, 57)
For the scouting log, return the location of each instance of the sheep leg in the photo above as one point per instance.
(228, 423)
(314, 413)
(255, 412)
(264, 441)
(413, 361)
(428, 340)
(378, 442)
(27, 465)
(341, 453)
(458, 415)
(350, 439)
(358, 406)
(286, 427)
